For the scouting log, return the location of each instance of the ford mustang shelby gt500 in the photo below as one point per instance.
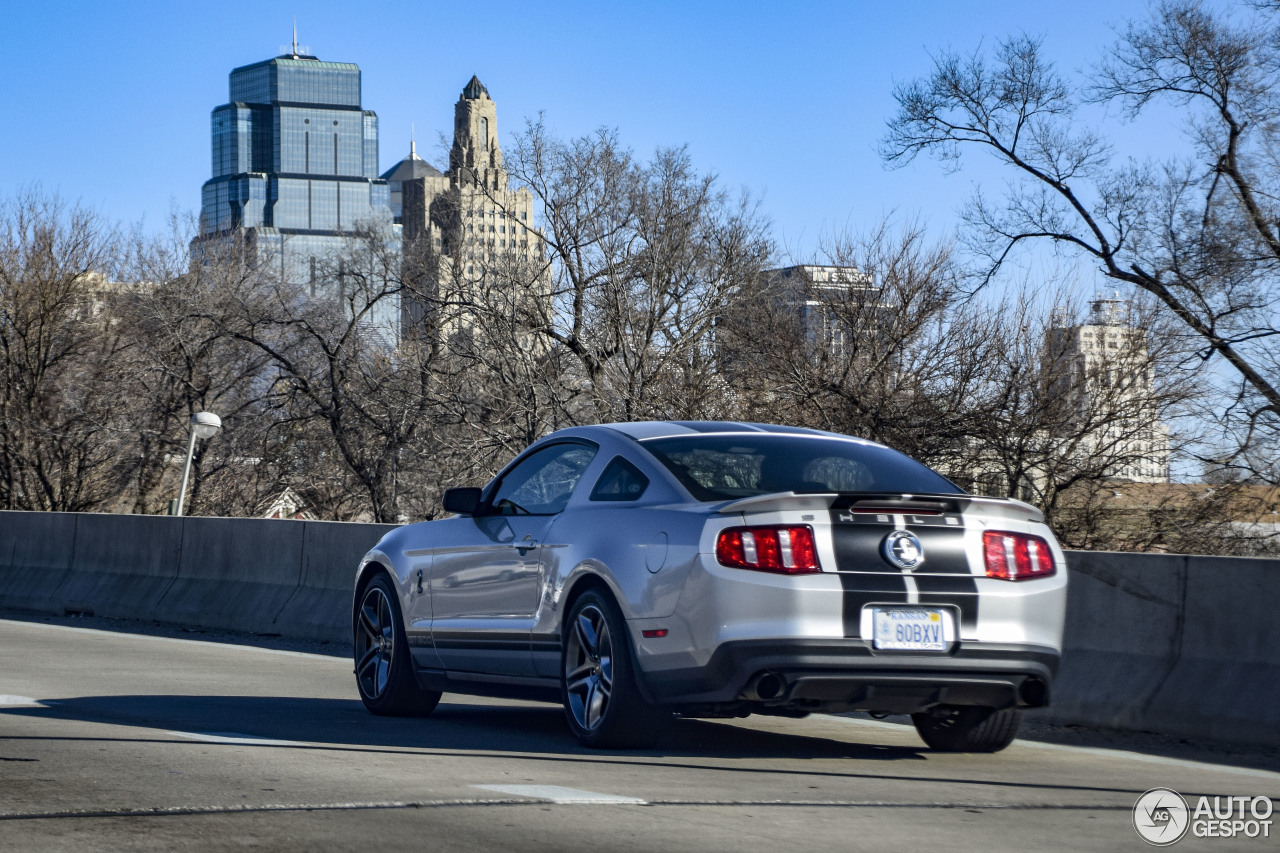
(632, 571)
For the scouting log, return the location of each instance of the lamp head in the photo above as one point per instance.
(205, 424)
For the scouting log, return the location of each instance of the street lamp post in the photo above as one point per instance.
(203, 425)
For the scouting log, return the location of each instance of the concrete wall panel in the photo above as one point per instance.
(331, 552)
(36, 549)
(122, 565)
(235, 573)
(1122, 635)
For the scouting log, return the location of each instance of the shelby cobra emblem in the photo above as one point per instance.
(902, 549)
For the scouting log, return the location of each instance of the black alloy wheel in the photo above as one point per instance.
(603, 703)
(383, 664)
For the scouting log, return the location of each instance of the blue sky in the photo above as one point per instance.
(108, 104)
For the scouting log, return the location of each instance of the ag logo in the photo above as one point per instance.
(1161, 816)
(902, 549)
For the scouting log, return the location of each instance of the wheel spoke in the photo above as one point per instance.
(596, 700)
(577, 684)
(365, 661)
(586, 633)
(367, 619)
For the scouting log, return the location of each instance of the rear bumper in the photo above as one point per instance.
(837, 675)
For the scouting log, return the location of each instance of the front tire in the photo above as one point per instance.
(602, 700)
(950, 728)
(383, 663)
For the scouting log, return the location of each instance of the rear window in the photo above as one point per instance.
(723, 467)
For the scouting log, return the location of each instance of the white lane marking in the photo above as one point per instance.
(236, 739)
(562, 796)
(1097, 752)
(183, 640)
(10, 701)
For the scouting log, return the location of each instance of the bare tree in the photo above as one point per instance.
(1199, 234)
(178, 361)
(888, 353)
(63, 439)
(640, 259)
(334, 360)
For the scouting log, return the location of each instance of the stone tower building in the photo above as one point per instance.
(1106, 359)
(467, 230)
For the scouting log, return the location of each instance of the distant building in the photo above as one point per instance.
(1105, 363)
(288, 505)
(409, 168)
(469, 220)
(295, 166)
(817, 293)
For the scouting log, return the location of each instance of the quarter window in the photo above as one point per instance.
(620, 481)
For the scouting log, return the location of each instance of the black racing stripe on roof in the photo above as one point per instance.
(789, 429)
(748, 426)
(717, 426)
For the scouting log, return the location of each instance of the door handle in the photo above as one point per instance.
(524, 545)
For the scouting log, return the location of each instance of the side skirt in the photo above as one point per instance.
(496, 686)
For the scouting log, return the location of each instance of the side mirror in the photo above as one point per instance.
(463, 501)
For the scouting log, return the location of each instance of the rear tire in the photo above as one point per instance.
(950, 728)
(383, 663)
(602, 700)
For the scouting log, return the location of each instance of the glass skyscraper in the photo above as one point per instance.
(295, 163)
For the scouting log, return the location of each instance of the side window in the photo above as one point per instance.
(621, 481)
(542, 483)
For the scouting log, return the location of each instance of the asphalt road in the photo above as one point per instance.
(116, 741)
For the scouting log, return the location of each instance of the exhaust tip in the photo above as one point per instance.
(766, 686)
(1034, 692)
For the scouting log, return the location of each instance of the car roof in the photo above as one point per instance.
(640, 430)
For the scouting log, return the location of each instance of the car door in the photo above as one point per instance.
(486, 582)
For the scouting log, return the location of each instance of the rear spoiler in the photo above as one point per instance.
(902, 504)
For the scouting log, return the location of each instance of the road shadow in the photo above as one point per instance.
(509, 727)
(529, 731)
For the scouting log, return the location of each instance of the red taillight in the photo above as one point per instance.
(786, 550)
(1016, 556)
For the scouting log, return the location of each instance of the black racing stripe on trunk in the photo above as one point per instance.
(859, 544)
(959, 590)
(862, 589)
(944, 551)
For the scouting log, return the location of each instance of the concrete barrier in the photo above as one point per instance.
(321, 605)
(1227, 678)
(1124, 621)
(235, 573)
(121, 565)
(266, 576)
(1180, 645)
(35, 558)
(1155, 642)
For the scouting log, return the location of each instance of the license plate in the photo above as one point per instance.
(910, 629)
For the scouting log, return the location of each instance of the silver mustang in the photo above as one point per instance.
(632, 571)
